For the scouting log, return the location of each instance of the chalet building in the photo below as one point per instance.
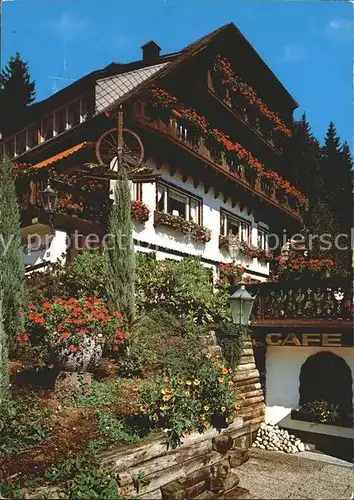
(204, 131)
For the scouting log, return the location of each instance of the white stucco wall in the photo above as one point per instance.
(173, 241)
(283, 365)
(55, 247)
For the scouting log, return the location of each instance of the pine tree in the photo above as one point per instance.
(12, 276)
(121, 256)
(17, 91)
(302, 157)
(331, 158)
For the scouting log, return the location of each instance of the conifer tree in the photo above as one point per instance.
(331, 159)
(4, 363)
(12, 276)
(17, 91)
(121, 256)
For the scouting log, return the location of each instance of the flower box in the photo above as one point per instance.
(303, 416)
(198, 233)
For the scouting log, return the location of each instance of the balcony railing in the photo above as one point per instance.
(303, 299)
(247, 114)
(224, 162)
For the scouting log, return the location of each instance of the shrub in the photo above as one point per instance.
(103, 394)
(85, 275)
(184, 288)
(65, 326)
(321, 411)
(180, 405)
(161, 342)
(25, 424)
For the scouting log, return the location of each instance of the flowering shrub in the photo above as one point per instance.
(140, 211)
(160, 98)
(233, 81)
(255, 252)
(66, 325)
(197, 232)
(183, 405)
(321, 411)
(298, 266)
(237, 152)
(67, 205)
(231, 270)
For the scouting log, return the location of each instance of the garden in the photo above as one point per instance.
(103, 351)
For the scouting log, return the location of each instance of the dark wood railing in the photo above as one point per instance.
(246, 113)
(310, 299)
(240, 173)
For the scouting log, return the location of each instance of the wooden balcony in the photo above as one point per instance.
(226, 164)
(246, 114)
(303, 303)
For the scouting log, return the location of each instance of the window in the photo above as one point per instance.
(32, 136)
(262, 240)
(10, 147)
(47, 127)
(60, 121)
(74, 113)
(137, 191)
(237, 227)
(180, 203)
(84, 109)
(21, 142)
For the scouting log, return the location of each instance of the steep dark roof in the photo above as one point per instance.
(174, 59)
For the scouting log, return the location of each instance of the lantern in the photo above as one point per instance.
(49, 199)
(241, 303)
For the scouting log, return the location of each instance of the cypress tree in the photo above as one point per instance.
(4, 364)
(12, 275)
(17, 91)
(121, 256)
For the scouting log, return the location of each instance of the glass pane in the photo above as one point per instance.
(176, 204)
(60, 121)
(194, 210)
(245, 233)
(160, 198)
(74, 113)
(233, 227)
(223, 225)
(47, 127)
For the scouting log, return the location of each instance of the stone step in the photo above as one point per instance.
(234, 493)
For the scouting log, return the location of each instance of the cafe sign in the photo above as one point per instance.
(304, 340)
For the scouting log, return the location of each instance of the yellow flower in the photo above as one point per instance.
(166, 397)
(224, 371)
(166, 390)
(188, 382)
(164, 408)
(187, 393)
(230, 382)
(196, 382)
(223, 408)
(206, 408)
(180, 381)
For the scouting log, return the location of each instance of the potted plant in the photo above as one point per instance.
(75, 332)
(140, 211)
(231, 272)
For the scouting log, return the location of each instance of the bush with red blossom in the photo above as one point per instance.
(68, 324)
(140, 211)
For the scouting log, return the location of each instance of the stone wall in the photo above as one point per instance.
(248, 386)
(204, 466)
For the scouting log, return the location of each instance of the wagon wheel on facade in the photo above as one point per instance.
(132, 151)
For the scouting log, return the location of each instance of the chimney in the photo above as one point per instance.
(151, 51)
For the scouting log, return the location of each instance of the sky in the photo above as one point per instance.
(308, 44)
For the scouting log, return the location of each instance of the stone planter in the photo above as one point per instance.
(80, 361)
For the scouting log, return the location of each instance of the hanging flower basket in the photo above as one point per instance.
(140, 212)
